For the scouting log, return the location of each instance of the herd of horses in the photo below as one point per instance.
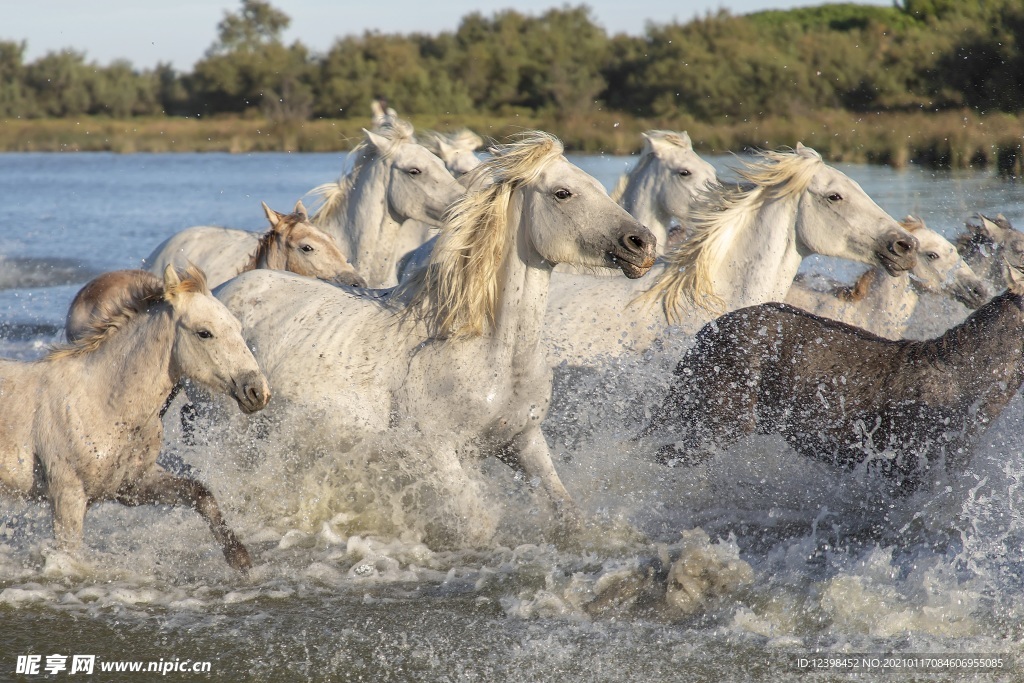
(433, 292)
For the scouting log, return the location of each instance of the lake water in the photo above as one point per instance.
(837, 569)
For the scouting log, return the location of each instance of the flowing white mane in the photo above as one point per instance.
(457, 291)
(719, 222)
(331, 199)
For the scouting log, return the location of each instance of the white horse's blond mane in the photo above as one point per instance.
(123, 305)
(457, 292)
(717, 223)
(330, 199)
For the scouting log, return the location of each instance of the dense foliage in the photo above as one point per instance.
(916, 55)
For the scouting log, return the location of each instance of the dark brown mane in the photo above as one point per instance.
(267, 238)
(120, 296)
(861, 288)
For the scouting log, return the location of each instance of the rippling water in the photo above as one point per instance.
(785, 556)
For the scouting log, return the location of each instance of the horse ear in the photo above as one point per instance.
(444, 148)
(171, 283)
(986, 226)
(806, 151)
(1016, 277)
(912, 222)
(377, 140)
(300, 209)
(273, 216)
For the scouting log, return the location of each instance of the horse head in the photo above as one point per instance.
(296, 245)
(570, 217)
(208, 344)
(837, 218)
(419, 187)
(940, 269)
(681, 175)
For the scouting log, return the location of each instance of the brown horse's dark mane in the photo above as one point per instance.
(266, 239)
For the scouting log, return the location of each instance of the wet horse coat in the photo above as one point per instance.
(82, 425)
(843, 395)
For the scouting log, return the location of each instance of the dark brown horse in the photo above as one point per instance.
(843, 395)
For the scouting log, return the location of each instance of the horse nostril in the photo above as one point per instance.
(901, 247)
(635, 243)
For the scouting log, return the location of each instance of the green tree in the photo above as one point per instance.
(249, 67)
(61, 83)
(14, 97)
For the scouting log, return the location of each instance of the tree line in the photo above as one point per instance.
(928, 55)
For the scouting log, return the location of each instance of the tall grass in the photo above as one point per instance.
(949, 139)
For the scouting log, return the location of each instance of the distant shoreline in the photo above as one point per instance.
(949, 139)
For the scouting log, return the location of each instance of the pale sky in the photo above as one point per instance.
(179, 31)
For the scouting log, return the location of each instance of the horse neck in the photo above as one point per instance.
(988, 344)
(132, 371)
(524, 280)
(639, 199)
(763, 259)
(269, 254)
(368, 234)
(890, 296)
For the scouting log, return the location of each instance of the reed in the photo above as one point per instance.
(947, 139)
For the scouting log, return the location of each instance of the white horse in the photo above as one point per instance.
(883, 305)
(665, 183)
(457, 150)
(292, 243)
(393, 180)
(455, 354)
(82, 425)
(658, 191)
(745, 248)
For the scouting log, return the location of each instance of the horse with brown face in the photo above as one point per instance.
(843, 395)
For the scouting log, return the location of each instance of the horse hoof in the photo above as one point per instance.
(238, 557)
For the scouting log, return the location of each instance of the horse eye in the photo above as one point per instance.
(835, 197)
(307, 248)
(684, 172)
(932, 256)
(563, 193)
(204, 334)
(414, 171)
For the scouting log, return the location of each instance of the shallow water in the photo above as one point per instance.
(350, 581)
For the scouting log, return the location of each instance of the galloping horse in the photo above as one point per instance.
(745, 247)
(393, 180)
(455, 354)
(292, 243)
(843, 395)
(882, 304)
(665, 183)
(82, 424)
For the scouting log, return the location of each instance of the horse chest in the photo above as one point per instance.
(474, 389)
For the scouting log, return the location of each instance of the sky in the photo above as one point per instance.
(146, 32)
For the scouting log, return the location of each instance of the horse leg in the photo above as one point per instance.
(158, 487)
(463, 494)
(68, 502)
(529, 453)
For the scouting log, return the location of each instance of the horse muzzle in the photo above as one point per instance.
(634, 253)
(897, 253)
(251, 392)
